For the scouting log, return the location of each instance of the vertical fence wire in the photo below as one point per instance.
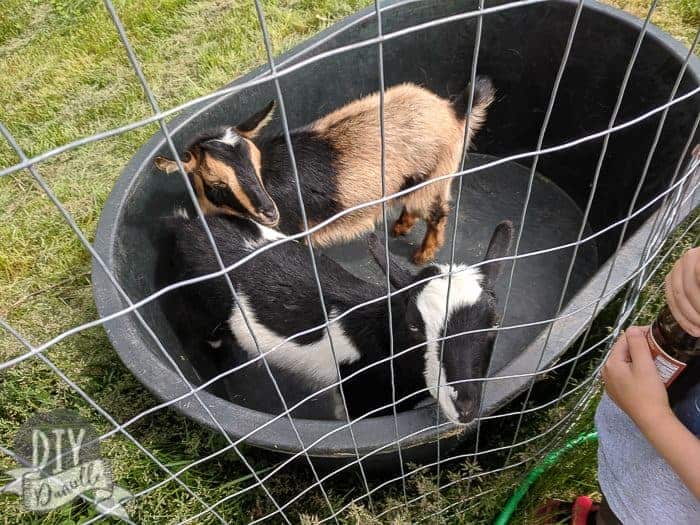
(342, 468)
(614, 225)
(244, 315)
(632, 289)
(78, 232)
(385, 224)
(589, 205)
(464, 156)
(465, 148)
(133, 60)
(528, 192)
(309, 241)
(668, 219)
(515, 157)
(586, 396)
(669, 208)
(681, 181)
(637, 192)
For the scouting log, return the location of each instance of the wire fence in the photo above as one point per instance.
(576, 371)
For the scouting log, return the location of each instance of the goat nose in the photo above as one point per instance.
(464, 407)
(270, 214)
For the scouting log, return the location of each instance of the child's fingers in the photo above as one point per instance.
(620, 352)
(639, 349)
(618, 361)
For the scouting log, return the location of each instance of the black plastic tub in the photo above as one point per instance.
(521, 50)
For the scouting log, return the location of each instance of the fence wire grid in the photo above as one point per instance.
(482, 458)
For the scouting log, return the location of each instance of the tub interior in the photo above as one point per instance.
(520, 50)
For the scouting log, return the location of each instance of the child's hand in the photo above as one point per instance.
(683, 291)
(631, 380)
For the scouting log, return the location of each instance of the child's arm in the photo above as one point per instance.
(632, 381)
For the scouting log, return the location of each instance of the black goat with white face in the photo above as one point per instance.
(278, 292)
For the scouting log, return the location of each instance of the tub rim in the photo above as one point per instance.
(371, 433)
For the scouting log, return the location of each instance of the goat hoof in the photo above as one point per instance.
(422, 257)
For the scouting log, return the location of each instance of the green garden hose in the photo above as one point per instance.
(549, 460)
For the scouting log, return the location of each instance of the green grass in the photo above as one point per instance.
(576, 473)
(66, 76)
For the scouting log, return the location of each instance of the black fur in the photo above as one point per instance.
(316, 163)
(238, 157)
(438, 211)
(282, 290)
(483, 90)
(399, 276)
(412, 180)
(221, 195)
(282, 285)
(253, 122)
(479, 316)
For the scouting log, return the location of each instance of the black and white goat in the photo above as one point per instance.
(235, 171)
(278, 292)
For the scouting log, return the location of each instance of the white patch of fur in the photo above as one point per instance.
(230, 137)
(447, 396)
(465, 291)
(338, 409)
(270, 234)
(314, 361)
(267, 235)
(215, 344)
(181, 212)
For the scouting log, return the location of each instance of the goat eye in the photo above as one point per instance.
(218, 185)
(413, 327)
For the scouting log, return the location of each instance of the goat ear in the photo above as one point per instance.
(399, 276)
(170, 166)
(166, 165)
(499, 246)
(251, 128)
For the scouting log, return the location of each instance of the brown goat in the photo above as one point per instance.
(338, 159)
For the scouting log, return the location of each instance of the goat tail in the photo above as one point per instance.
(484, 95)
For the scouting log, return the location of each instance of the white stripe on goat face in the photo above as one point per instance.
(230, 137)
(314, 361)
(465, 291)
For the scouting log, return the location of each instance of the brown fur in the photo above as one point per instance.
(205, 169)
(207, 207)
(213, 171)
(170, 166)
(435, 234)
(423, 140)
(404, 223)
(422, 136)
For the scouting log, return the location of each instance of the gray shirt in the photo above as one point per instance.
(638, 484)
